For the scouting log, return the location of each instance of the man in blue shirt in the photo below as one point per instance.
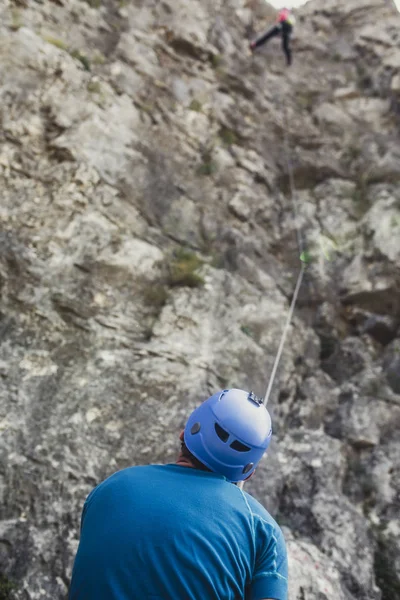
(183, 531)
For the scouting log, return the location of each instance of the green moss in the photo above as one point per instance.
(195, 105)
(98, 58)
(216, 60)
(94, 87)
(77, 54)
(55, 42)
(182, 269)
(146, 107)
(82, 58)
(94, 3)
(16, 19)
(155, 296)
(227, 136)
(208, 166)
(6, 588)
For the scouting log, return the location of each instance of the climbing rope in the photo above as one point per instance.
(301, 249)
(284, 333)
(302, 256)
(293, 193)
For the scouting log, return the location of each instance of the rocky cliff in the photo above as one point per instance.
(148, 255)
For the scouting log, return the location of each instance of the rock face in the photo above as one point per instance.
(148, 254)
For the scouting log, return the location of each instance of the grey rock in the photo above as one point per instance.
(391, 365)
(383, 328)
(312, 575)
(139, 141)
(349, 358)
(393, 375)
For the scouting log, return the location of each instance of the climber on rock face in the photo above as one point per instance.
(185, 530)
(284, 28)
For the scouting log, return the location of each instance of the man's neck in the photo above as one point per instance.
(185, 462)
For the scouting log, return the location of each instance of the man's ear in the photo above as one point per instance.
(181, 435)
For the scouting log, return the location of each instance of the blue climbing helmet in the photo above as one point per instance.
(229, 433)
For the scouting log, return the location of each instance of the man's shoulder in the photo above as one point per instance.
(128, 474)
(137, 471)
(259, 511)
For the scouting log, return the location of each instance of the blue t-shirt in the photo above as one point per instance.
(166, 532)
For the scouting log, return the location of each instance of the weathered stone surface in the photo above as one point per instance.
(333, 117)
(148, 256)
(391, 365)
(347, 93)
(312, 575)
(383, 222)
(383, 328)
(395, 85)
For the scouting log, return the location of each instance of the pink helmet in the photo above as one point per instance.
(283, 15)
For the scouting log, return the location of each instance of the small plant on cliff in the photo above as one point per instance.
(386, 577)
(6, 588)
(246, 330)
(195, 105)
(94, 87)
(208, 166)
(83, 59)
(216, 60)
(16, 19)
(227, 136)
(182, 269)
(155, 296)
(55, 42)
(98, 58)
(61, 45)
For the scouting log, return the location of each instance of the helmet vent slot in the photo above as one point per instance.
(248, 468)
(195, 428)
(239, 446)
(221, 433)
